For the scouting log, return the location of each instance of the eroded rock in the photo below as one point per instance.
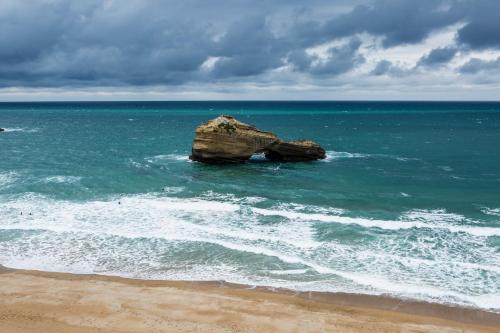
(294, 151)
(227, 140)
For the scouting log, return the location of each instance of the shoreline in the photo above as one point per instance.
(37, 291)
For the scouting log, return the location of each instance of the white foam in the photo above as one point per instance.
(147, 216)
(127, 235)
(335, 155)
(413, 219)
(445, 168)
(20, 129)
(426, 219)
(138, 165)
(441, 258)
(168, 157)
(376, 284)
(173, 189)
(62, 179)
(433, 215)
(229, 197)
(491, 211)
(289, 271)
(421, 290)
(373, 281)
(7, 178)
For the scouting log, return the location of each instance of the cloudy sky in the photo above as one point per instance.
(249, 49)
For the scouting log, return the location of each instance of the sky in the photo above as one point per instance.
(249, 50)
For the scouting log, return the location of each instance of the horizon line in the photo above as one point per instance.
(257, 100)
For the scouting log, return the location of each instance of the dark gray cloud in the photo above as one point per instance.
(25, 34)
(475, 66)
(396, 21)
(98, 43)
(339, 59)
(482, 29)
(300, 60)
(438, 56)
(62, 43)
(385, 67)
(249, 47)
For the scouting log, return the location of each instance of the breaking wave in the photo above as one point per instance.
(8, 178)
(239, 240)
(491, 211)
(336, 155)
(20, 129)
(62, 179)
(168, 157)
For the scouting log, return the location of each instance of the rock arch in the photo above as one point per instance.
(227, 140)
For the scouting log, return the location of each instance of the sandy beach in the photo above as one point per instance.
(32, 301)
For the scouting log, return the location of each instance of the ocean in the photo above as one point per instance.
(407, 202)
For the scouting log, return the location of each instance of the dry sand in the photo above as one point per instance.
(40, 302)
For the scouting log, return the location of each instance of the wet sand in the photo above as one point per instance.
(32, 301)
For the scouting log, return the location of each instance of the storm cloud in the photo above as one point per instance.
(475, 66)
(438, 56)
(140, 43)
(483, 24)
(338, 59)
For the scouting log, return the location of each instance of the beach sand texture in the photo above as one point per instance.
(33, 301)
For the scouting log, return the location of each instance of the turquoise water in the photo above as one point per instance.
(407, 202)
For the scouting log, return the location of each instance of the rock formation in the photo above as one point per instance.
(227, 140)
(294, 151)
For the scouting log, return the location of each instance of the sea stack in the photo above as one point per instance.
(226, 140)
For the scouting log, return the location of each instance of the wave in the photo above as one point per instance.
(445, 168)
(289, 271)
(491, 211)
(229, 197)
(8, 178)
(157, 160)
(20, 129)
(180, 219)
(168, 157)
(226, 203)
(369, 282)
(173, 189)
(62, 179)
(332, 155)
(414, 219)
(335, 155)
(112, 236)
(213, 202)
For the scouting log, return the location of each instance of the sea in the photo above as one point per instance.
(406, 203)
